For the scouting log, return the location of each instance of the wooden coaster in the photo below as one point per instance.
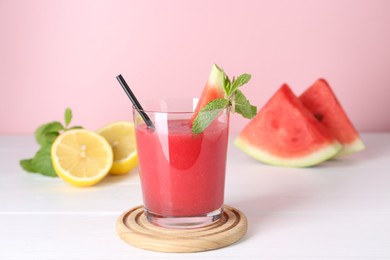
(133, 228)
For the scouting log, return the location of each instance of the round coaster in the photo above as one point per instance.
(133, 228)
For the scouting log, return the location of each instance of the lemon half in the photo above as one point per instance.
(121, 136)
(81, 157)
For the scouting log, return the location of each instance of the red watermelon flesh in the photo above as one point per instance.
(285, 133)
(212, 90)
(323, 103)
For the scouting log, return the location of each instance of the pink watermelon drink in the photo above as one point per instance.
(182, 173)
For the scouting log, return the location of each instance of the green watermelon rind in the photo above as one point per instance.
(351, 148)
(314, 158)
(216, 79)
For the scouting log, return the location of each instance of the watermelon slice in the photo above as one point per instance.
(285, 133)
(212, 90)
(323, 103)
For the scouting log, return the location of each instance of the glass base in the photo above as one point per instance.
(184, 222)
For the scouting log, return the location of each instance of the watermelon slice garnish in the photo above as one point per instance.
(323, 103)
(285, 133)
(221, 93)
(213, 89)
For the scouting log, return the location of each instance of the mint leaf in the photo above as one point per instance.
(45, 136)
(75, 127)
(68, 116)
(242, 105)
(51, 137)
(227, 85)
(240, 81)
(208, 114)
(27, 165)
(226, 80)
(41, 133)
(41, 163)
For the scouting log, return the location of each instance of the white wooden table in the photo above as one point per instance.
(338, 210)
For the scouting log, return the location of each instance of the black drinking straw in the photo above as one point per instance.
(134, 100)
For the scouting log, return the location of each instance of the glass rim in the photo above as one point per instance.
(147, 102)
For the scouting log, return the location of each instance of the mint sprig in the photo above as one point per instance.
(234, 98)
(238, 82)
(45, 136)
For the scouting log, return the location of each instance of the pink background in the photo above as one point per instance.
(55, 54)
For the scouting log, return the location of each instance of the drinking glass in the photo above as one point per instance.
(182, 174)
